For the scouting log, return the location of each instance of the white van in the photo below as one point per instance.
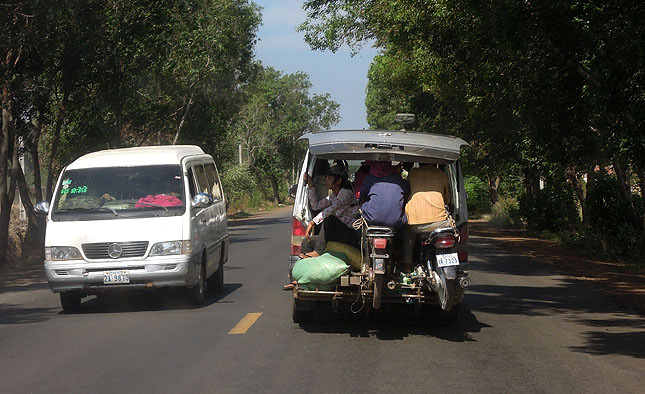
(134, 218)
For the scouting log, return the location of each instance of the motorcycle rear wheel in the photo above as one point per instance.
(379, 280)
(446, 294)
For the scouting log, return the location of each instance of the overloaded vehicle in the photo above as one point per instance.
(372, 275)
(136, 218)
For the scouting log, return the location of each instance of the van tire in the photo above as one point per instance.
(198, 292)
(216, 282)
(70, 301)
(299, 316)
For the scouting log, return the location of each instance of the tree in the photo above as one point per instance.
(82, 75)
(278, 110)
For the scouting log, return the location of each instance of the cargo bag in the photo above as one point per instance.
(323, 270)
(352, 255)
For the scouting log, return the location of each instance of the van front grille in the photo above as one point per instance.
(128, 249)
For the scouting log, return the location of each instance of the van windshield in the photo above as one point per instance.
(117, 192)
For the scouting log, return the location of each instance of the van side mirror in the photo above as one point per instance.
(293, 190)
(42, 208)
(201, 200)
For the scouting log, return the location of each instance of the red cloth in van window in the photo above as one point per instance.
(159, 199)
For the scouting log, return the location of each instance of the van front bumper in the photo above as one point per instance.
(86, 277)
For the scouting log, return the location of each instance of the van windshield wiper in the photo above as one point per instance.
(95, 209)
(153, 205)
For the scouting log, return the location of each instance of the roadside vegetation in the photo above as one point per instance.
(549, 94)
(81, 76)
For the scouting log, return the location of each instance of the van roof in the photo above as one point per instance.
(384, 145)
(144, 155)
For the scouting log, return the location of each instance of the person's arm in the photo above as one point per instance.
(345, 198)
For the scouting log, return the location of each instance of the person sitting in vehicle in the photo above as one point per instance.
(426, 209)
(359, 177)
(338, 213)
(167, 195)
(383, 195)
(320, 170)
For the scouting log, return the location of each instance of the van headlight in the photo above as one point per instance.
(169, 248)
(61, 253)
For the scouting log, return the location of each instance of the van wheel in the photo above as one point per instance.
(216, 282)
(300, 316)
(70, 301)
(198, 292)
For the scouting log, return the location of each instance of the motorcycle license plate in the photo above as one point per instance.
(116, 277)
(447, 260)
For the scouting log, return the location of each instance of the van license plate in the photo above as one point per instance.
(447, 260)
(116, 277)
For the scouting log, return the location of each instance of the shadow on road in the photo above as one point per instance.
(393, 326)
(143, 301)
(256, 222)
(12, 314)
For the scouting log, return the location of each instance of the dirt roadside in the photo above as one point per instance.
(623, 283)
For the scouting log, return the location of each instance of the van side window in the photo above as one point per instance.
(202, 180)
(191, 183)
(213, 181)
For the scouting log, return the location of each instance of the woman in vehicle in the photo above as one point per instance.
(338, 211)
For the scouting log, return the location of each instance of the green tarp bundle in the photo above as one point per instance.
(322, 270)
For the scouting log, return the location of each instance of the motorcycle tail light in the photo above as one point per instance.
(297, 235)
(380, 243)
(445, 242)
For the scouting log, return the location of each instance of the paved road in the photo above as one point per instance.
(524, 329)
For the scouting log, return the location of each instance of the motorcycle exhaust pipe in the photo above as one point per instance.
(391, 285)
(464, 282)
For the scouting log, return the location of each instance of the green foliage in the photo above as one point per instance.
(614, 228)
(541, 89)
(551, 209)
(507, 212)
(277, 111)
(240, 186)
(478, 195)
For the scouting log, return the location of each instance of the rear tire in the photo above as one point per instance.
(299, 316)
(379, 280)
(198, 292)
(70, 301)
(452, 316)
(216, 282)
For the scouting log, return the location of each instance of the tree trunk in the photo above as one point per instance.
(576, 185)
(531, 182)
(35, 236)
(5, 203)
(641, 183)
(184, 116)
(493, 185)
(51, 170)
(274, 187)
(623, 180)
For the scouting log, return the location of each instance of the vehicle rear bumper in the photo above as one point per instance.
(166, 271)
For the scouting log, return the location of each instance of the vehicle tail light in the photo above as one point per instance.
(297, 235)
(380, 243)
(462, 246)
(445, 242)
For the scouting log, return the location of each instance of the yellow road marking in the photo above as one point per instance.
(243, 326)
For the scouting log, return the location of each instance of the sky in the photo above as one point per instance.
(344, 77)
